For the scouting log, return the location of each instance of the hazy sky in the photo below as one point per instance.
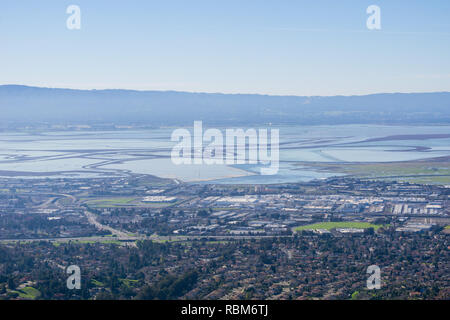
(314, 47)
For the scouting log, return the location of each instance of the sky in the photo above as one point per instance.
(307, 48)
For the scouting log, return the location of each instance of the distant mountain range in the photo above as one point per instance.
(23, 104)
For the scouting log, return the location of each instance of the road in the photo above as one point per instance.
(129, 238)
(93, 220)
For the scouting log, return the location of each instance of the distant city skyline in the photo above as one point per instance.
(302, 48)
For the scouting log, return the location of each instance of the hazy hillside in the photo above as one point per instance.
(31, 104)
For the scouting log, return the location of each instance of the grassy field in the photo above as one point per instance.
(334, 225)
(124, 202)
(443, 180)
(425, 172)
(28, 293)
(129, 282)
(102, 241)
(97, 283)
(106, 241)
(110, 202)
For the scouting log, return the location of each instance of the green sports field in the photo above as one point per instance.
(335, 225)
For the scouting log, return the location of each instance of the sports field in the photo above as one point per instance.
(335, 225)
